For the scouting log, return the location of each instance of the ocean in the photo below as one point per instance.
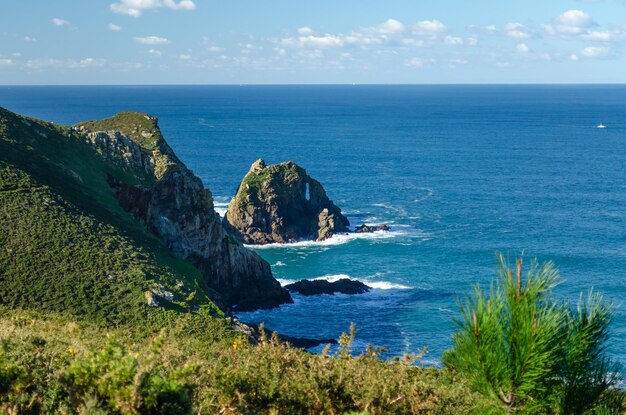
(459, 172)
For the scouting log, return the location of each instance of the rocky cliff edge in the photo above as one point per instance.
(165, 196)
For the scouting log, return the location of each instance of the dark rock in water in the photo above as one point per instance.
(371, 228)
(281, 203)
(253, 332)
(317, 287)
(174, 205)
(305, 343)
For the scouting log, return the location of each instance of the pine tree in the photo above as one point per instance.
(527, 352)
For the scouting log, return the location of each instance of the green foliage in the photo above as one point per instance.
(253, 182)
(69, 368)
(131, 124)
(113, 380)
(66, 244)
(526, 352)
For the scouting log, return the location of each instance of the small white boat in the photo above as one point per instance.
(601, 126)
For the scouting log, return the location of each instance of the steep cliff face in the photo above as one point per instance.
(282, 203)
(173, 204)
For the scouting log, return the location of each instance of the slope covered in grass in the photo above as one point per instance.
(66, 244)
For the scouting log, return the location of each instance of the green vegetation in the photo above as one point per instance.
(54, 365)
(77, 335)
(253, 182)
(131, 124)
(65, 243)
(527, 353)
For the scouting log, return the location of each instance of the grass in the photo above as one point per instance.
(66, 244)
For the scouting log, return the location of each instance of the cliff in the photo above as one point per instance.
(173, 204)
(282, 203)
(102, 221)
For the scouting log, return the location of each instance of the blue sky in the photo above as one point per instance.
(287, 41)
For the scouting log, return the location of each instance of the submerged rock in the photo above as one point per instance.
(371, 228)
(282, 203)
(173, 204)
(317, 287)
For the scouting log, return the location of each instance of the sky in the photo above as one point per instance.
(97, 42)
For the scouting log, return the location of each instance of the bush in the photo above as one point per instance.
(113, 380)
(526, 352)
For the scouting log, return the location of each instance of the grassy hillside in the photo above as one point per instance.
(65, 243)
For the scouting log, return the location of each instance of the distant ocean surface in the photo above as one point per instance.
(458, 172)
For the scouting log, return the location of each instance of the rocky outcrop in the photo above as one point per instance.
(371, 228)
(256, 334)
(282, 203)
(164, 195)
(318, 287)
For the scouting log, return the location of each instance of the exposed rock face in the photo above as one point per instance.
(174, 205)
(317, 287)
(282, 203)
(371, 228)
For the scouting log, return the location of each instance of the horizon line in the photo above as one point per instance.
(331, 84)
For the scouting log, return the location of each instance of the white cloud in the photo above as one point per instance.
(6, 62)
(154, 52)
(573, 57)
(135, 8)
(305, 31)
(29, 39)
(59, 22)
(419, 63)
(214, 49)
(115, 28)
(570, 23)
(314, 41)
(184, 57)
(522, 48)
(391, 26)
(387, 32)
(90, 62)
(43, 64)
(429, 27)
(152, 40)
(453, 40)
(503, 64)
(17, 54)
(472, 41)
(594, 51)
(598, 36)
(517, 31)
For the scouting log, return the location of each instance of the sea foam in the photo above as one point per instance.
(377, 285)
(339, 239)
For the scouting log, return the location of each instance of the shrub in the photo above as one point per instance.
(528, 353)
(113, 380)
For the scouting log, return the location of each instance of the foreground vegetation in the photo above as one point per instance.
(54, 365)
(98, 343)
(528, 353)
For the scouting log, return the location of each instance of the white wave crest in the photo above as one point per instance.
(279, 264)
(333, 278)
(384, 285)
(377, 285)
(220, 207)
(334, 240)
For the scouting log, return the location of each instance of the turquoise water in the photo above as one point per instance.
(459, 172)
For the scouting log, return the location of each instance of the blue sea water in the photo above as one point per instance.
(458, 172)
